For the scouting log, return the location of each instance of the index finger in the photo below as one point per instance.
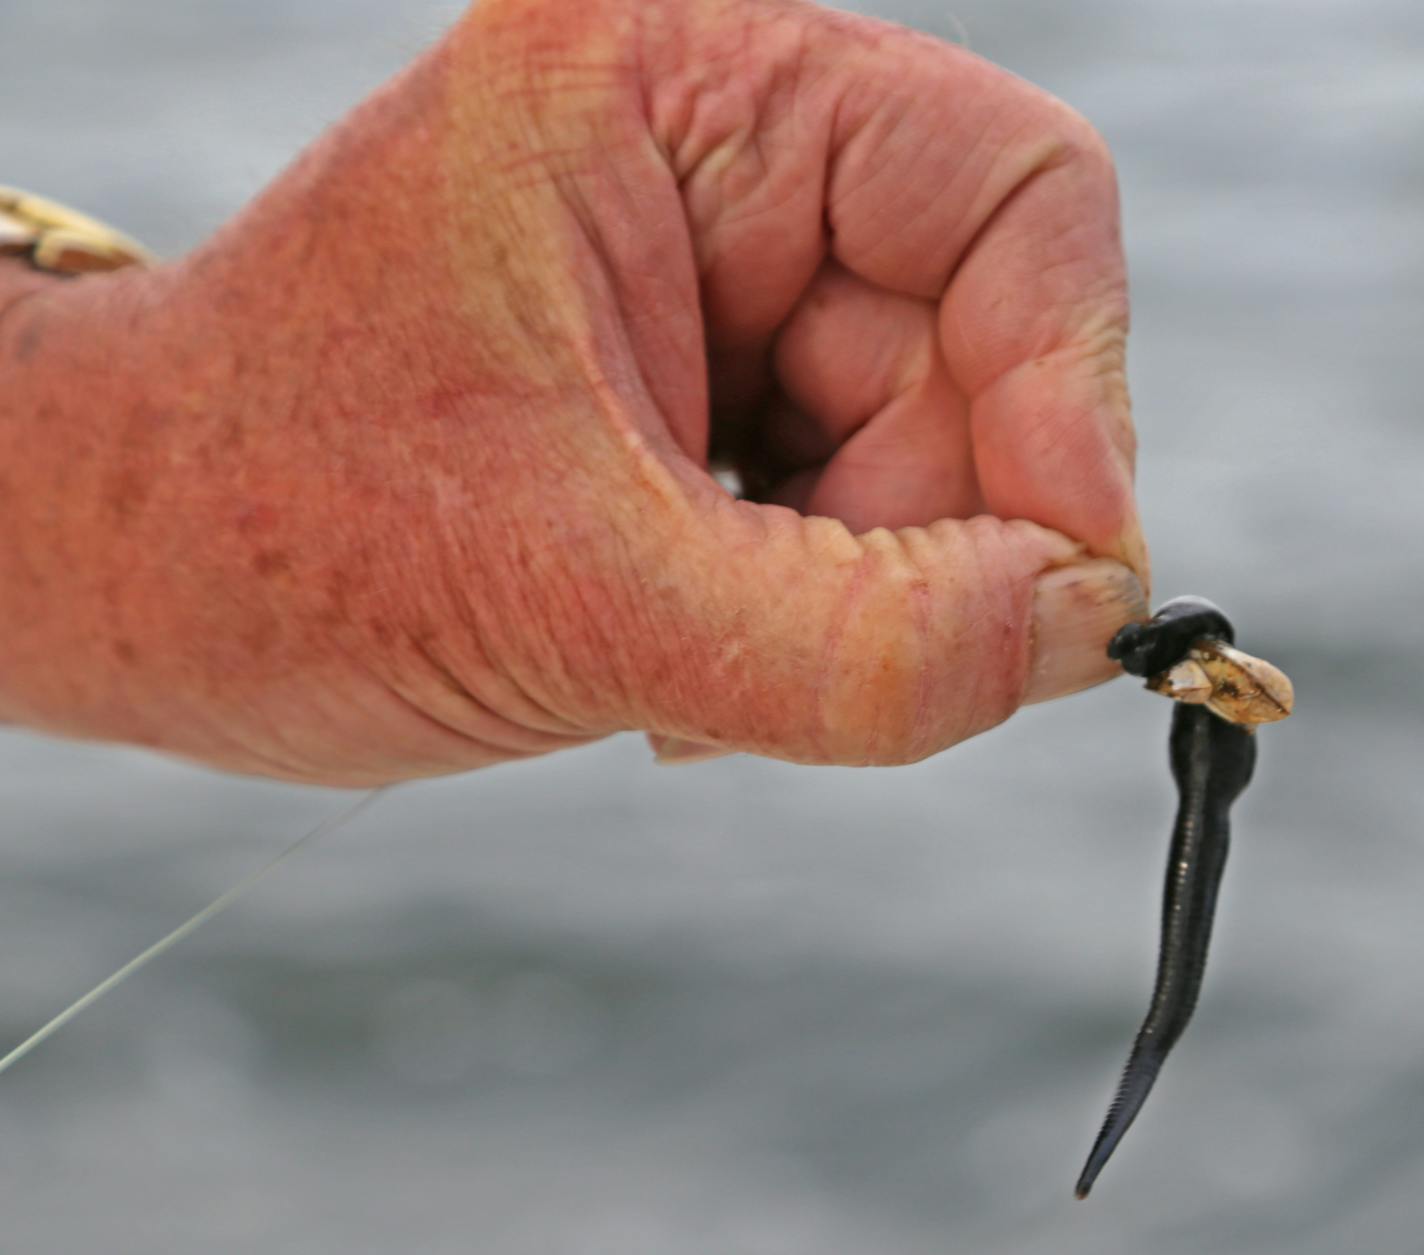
(951, 179)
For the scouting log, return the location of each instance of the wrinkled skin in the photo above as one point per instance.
(404, 472)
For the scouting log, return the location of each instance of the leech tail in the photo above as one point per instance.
(189, 926)
(1137, 1081)
(1212, 762)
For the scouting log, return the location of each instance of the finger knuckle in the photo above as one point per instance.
(1080, 141)
(872, 698)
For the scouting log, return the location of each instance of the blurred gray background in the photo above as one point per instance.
(585, 1006)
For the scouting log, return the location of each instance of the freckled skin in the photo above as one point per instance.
(405, 471)
(1212, 762)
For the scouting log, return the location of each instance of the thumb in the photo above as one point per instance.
(797, 640)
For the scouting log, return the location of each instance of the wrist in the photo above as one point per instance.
(19, 281)
(66, 377)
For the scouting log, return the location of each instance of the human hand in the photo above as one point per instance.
(405, 472)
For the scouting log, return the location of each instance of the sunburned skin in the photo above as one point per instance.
(1186, 652)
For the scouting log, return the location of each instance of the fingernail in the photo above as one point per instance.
(1076, 611)
(673, 752)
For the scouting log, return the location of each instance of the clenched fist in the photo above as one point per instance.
(407, 470)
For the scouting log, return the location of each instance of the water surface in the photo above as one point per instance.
(587, 1007)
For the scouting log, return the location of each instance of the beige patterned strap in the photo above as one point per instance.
(58, 239)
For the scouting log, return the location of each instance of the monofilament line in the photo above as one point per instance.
(184, 929)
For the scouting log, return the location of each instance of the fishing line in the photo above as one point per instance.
(189, 926)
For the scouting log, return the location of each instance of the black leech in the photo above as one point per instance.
(1211, 762)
